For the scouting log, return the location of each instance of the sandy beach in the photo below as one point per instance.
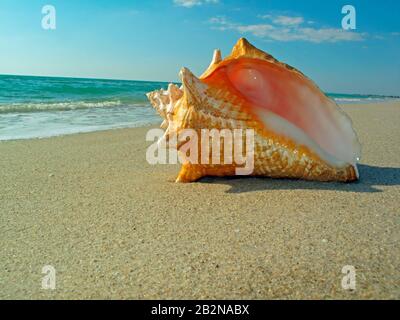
(115, 227)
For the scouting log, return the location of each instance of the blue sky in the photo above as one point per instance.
(152, 40)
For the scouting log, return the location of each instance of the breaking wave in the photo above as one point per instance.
(64, 106)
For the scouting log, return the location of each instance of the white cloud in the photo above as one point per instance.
(264, 16)
(193, 3)
(286, 28)
(219, 20)
(288, 21)
(259, 30)
(283, 20)
(378, 37)
(329, 34)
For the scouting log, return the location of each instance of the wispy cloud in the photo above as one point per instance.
(193, 3)
(288, 21)
(287, 28)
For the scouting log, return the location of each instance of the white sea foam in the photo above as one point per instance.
(345, 100)
(63, 106)
(27, 125)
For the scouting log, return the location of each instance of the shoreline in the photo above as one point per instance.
(80, 133)
(156, 124)
(115, 227)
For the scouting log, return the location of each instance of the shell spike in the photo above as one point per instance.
(193, 88)
(186, 75)
(216, 59)
(244, 48)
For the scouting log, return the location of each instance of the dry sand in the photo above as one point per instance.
(115, 227)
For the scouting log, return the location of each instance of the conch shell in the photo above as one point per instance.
(298, 131)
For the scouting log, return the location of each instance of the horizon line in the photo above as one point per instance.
(88, 78)
(175, 82)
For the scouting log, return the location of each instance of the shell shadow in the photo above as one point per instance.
(371, 177)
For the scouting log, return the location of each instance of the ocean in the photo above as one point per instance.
(38, 107)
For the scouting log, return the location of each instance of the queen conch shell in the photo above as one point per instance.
(298, 131)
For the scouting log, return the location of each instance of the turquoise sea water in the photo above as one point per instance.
(36, 107)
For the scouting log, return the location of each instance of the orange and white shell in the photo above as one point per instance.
(298, 131)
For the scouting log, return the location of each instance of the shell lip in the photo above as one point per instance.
(244, 50)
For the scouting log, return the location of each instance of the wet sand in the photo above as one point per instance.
(114, 226)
